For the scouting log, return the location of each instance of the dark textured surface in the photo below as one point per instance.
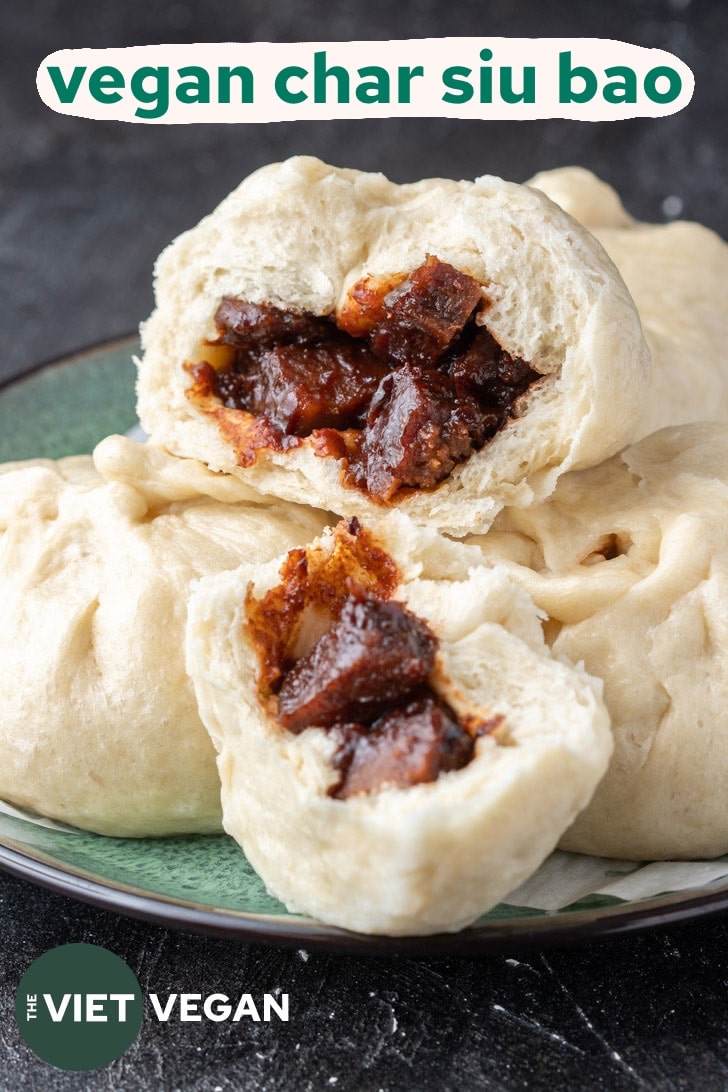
(84, 208)
(648, 1012)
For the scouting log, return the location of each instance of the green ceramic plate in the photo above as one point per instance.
(205, 883)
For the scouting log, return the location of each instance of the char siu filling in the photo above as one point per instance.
(406, 376)
(368, 679)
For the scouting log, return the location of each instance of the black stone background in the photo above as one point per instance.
(84, 208)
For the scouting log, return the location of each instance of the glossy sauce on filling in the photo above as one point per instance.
(402, 387)
(367, 674)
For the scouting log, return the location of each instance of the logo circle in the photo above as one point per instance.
(79, 1007)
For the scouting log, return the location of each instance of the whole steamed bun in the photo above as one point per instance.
(677, 274)
(99, 723)
(300, 234)
(629, 560)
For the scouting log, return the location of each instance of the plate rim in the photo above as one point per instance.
(543, 930)
(547, 930)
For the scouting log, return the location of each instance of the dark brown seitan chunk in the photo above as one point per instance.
(418, 430)
(374, 654)
(407, 746)
(425, 314)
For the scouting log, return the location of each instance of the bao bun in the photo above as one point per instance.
(432, 856)
(677, 274)
(299, 234)
(99, 721)
(630, 562)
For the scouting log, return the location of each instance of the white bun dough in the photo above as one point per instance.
(630, 562)
(429, 857)
(99, 722)
(677, 274)
(299, 234)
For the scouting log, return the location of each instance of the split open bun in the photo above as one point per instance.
(300, 234)
(431, 856)
(630, 562)
(677, 274)
(99, 723)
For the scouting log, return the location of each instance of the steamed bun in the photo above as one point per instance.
(630, 562)
(99, 723)
(677, 274)
(300, 234)
(402, 857)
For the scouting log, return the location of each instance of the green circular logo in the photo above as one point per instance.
(79, 1007)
